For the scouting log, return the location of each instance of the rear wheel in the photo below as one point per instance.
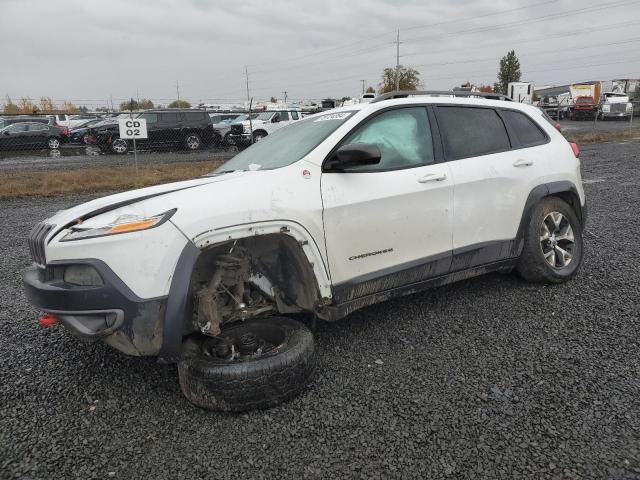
(251, 365)
(193, 141)
(553, 248)
(53, 143)
(119, 145)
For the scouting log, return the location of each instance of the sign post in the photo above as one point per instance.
(132, 129)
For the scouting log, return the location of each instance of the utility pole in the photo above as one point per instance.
(398, 61)
(178, 89)
(285, 96)
(362, 86)
(246, 74)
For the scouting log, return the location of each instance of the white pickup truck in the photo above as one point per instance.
(264, 124)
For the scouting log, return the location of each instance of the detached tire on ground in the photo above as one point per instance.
(553, 248)
(251, 365)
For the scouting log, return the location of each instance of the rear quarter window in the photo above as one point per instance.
(528, 133)
(472, 132)
(195, 116)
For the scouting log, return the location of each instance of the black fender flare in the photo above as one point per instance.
(178, 303)
(563, 189)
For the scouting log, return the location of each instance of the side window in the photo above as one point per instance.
(18, 128)
(150, 117)
(35, 127)
(194, 116)
(528, 132)
(294, 116)
(471, 132)
(284, 116)
(403, 137)
(170, 117)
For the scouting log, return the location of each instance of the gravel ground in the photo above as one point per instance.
(488, 378)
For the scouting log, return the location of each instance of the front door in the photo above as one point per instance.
(389, 224)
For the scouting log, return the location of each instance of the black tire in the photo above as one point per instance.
(227, 140)
(53, 143)
(257, 136)
(119, 146)
(192, 142)
(251, 383)
(537, 255)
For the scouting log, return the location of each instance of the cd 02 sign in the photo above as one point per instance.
(133, 128)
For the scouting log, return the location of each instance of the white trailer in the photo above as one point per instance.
(520, 92)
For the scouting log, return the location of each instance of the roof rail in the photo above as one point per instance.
(439, 93)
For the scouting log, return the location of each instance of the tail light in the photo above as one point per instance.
(576, 149)
(558, 127)
(65, 131)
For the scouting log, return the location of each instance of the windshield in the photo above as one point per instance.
(265, 116)
(287, 145)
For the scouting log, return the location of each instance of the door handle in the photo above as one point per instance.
(523, 163)
(433, 177)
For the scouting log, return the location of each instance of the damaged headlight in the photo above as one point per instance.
(123, 224)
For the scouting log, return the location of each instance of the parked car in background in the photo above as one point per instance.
(615, 105)
(80, 133)
(585, 108)
(169, 128)
(222, 123)
(31, 135)
(263, 124)
(77, 120)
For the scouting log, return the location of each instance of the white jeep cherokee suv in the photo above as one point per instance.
(338, 211)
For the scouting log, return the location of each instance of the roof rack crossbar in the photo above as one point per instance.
(439, 93)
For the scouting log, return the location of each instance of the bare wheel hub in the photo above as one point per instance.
(556, 240)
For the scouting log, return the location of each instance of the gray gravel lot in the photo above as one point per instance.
(488, 378)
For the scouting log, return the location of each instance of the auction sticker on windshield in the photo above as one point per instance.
(131, 128)
(333, 116)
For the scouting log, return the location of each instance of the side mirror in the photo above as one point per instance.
(353, 155)
(275, 119)
(7, 133)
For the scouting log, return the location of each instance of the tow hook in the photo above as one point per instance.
(48, 320)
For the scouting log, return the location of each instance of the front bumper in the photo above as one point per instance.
(110, 311)
(240, 139)
(615, 114)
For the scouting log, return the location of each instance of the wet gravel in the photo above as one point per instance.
(488, 378)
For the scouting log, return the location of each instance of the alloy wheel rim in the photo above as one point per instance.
(53, 143)
(557, 240)
(192, 142)
(119, 146)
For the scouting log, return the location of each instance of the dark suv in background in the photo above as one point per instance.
(189, 129)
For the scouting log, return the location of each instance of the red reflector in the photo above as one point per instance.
(576, 149)
(558, 127)
(48, 320)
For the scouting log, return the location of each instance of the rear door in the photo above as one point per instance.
(493, 176)
(388, 225)
(37, 134)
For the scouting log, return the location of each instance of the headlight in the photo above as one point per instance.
(629, 106)
(606, 108)
(123, 224)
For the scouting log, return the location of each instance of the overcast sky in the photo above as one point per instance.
(86, 50)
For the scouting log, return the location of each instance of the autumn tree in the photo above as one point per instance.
(47, 105)
(509, 72)
(145, 104)
(370, 89)
(26, 105)
(406, 78)
(485, 89)
(179, 104)
(10, 107)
